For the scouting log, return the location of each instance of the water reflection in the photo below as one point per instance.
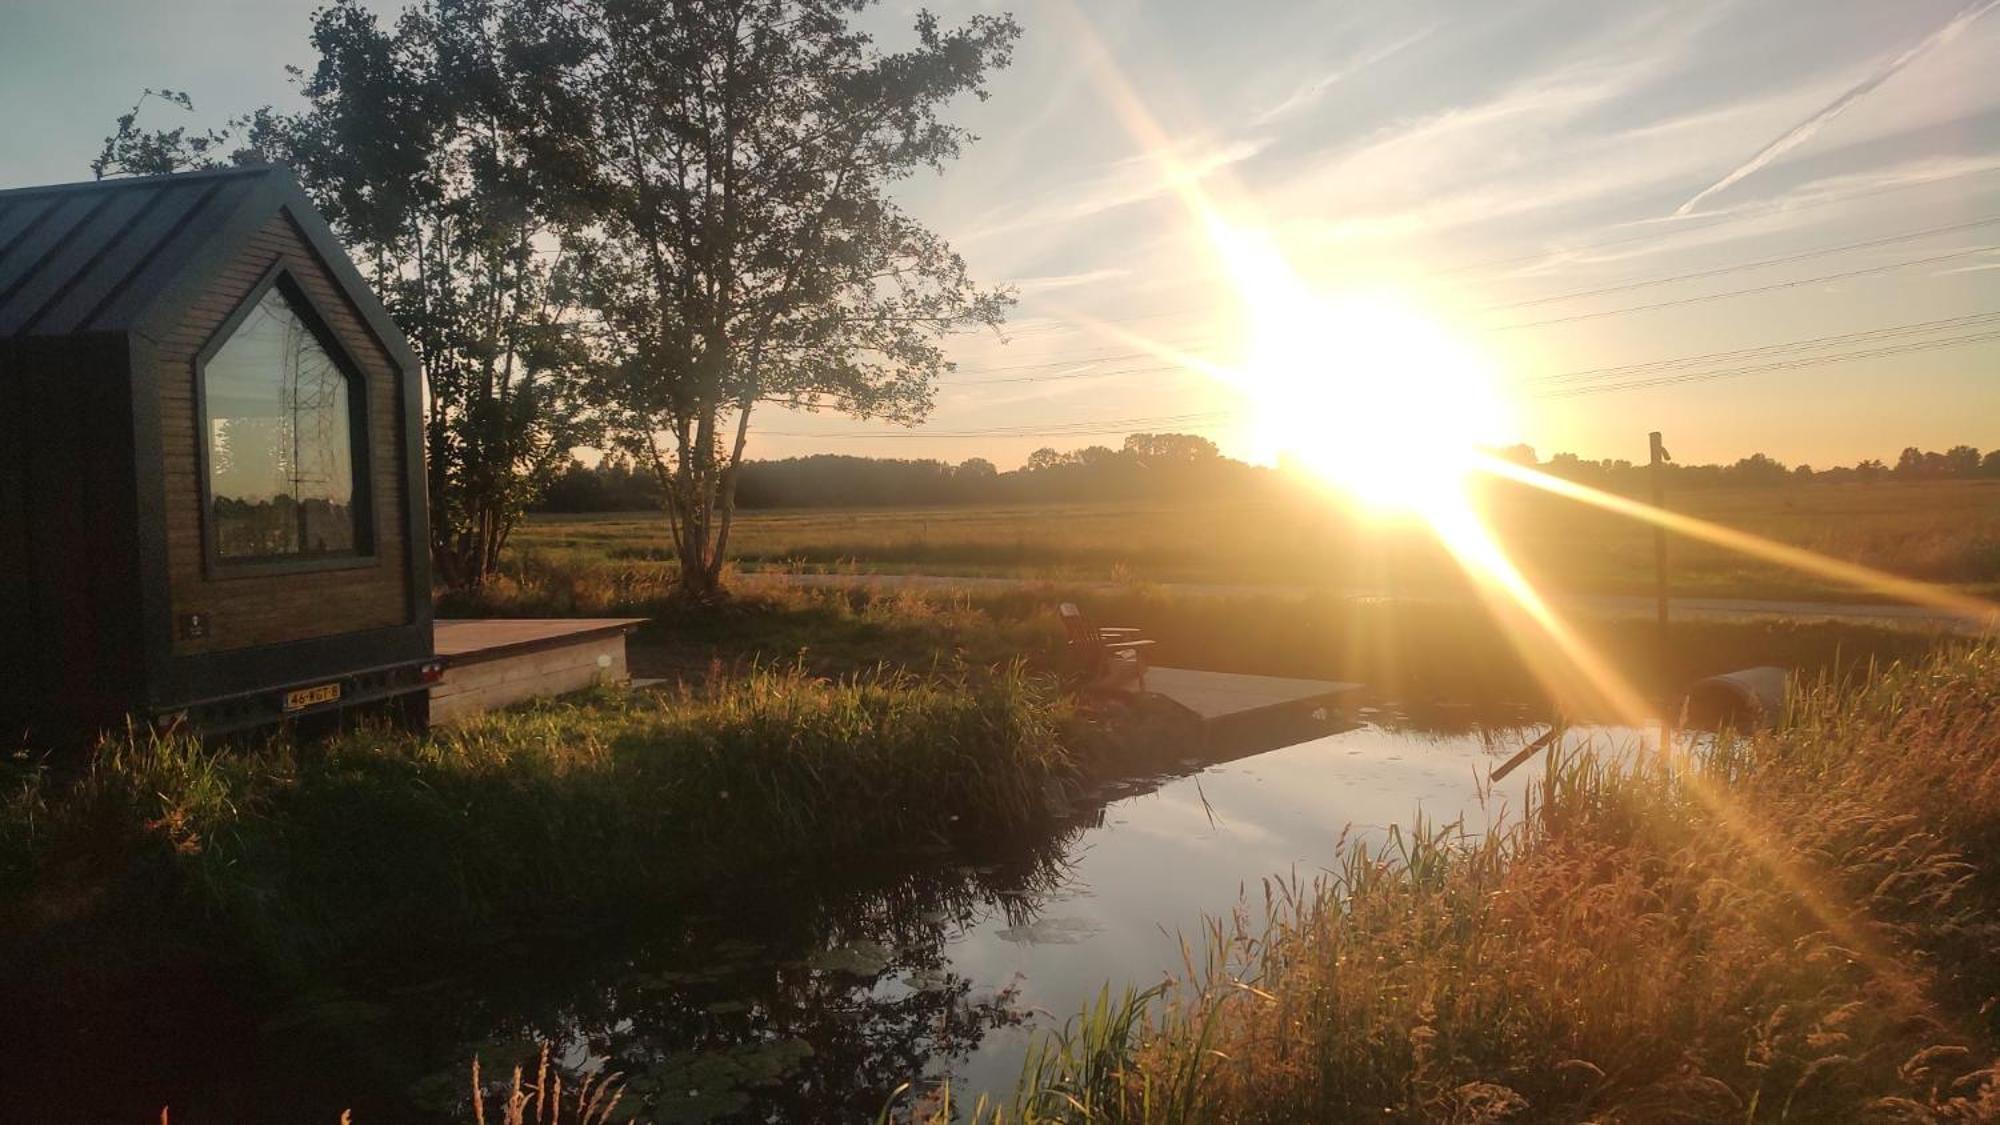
(803, 1004)
(814, 997)
(789, 1004)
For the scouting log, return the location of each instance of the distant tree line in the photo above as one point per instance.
(1160, 467)
(1960, 462)
(1147, 466)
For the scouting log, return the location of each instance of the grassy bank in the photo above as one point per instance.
(379, 839)
(1803, 925)
(1405, 649)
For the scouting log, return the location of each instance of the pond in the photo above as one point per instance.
(807, 999)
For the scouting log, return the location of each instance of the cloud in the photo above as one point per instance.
(1310, 92)
(1069, 280)
(1804, 130)
(1122, 183)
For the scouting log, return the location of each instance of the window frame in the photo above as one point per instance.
(363, 553)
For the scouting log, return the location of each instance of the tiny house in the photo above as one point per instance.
(211, 464)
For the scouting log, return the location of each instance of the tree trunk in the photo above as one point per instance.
(700, 579)
(730, 471)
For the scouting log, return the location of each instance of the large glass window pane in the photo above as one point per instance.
(280, 446)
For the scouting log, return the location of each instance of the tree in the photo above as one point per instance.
(975, 470)
(133, 151)
(741, 247)
(1044, 459)
(1758, 469)
(1989, 466)
(1171, 449)
(410, 146)
(1961, 461)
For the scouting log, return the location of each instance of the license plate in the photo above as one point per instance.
(311, 696)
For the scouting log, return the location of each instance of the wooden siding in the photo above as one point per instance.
(259, 609)
(487, 685)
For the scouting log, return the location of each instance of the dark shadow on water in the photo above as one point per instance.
(808, 997)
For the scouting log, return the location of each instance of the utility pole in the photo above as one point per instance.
(1660, 457)
(1659, 464)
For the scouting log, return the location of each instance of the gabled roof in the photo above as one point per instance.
(123, 255)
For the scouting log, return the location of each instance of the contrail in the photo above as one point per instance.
(1803, 131)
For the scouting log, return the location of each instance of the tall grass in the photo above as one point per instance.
(1797, 926)
(381, 839)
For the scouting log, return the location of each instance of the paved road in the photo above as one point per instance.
(1607, 605)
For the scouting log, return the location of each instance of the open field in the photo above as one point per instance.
(1945, 531)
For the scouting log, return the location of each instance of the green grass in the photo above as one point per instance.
(1410, 650)
(1946, 531)
(378, 839)
(1798, 926)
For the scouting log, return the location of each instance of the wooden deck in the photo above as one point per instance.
(1218, 696)
(467, 641)
(492, 663)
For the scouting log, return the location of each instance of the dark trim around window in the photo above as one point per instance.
(363, 553)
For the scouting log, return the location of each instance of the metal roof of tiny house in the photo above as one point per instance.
(123, 255)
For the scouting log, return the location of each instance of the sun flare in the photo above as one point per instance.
(1363, 388)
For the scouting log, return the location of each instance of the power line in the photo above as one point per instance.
(1761, 263)
(1781, 365)
(1107, 426)
(1770, 288)
(1153, 370)
(1723, 219)
(1539, 255)
(1110, 357)
(1073, 361)
(1585, 374)
(1080, 428)
(1566, 376)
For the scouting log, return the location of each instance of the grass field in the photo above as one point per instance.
(1946, 532)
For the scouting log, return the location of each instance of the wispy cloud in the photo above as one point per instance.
(1804, 130)
(1310, 92)
(1134, 179)
(1069, 280)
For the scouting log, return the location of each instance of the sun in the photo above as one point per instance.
(1363, 387)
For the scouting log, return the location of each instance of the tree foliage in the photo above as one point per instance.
(741, 246)
(134, 151)
(410, 146)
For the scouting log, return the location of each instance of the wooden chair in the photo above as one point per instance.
(1110, 657)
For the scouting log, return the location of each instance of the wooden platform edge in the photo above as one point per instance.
(622, 626)
(1331, 696)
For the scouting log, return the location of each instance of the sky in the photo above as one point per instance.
(1460, 162)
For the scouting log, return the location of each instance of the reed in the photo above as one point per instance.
(1798, 925)
(378, 838)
